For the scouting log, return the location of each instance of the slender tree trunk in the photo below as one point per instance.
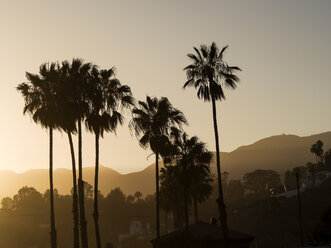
(157, 199)
(195, 202)
(300, 213)
(74, 194)
(96, 178)
(220, 201)
(166, 221)
(83, 223)
(51, 193)
(185, 196)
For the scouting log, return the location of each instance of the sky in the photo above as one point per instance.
(282, 47)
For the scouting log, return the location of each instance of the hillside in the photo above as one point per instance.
(277, 224)
(279, 152)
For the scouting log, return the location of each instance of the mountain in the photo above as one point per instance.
(280, 153)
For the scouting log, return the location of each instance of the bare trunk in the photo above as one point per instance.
(157, 199)
(51, 193)
(300, 213)
(220, 201)
(96, 179)
(83, 223)
(196, 218)
(166, 221)
(185, 197)
(74, 194)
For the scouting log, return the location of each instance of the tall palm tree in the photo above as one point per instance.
(152, 122)
(41, 102)
(68, 116)
(209, 73)
(78, 80)
(107, 100)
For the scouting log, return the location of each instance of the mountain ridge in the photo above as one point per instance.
(278, 152)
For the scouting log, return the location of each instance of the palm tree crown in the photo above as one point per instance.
(40, 95)
(107, 99)
(153, 121)
(209, 72)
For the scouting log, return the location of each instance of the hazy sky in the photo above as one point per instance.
(283, 48)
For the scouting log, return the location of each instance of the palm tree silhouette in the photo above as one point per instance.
(201, 183)
(107, 99)
(78, 75)
(209, 73)
(317, 150)
(193, 158)
(152, 123)
(41, 102)
(68, 116)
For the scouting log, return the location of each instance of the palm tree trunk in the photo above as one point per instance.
(157, 199)
(220, 201)
(74, 194)
(166, 221)
(96, 178)
(53, 230)
(195, 202)
(185, 197)
(83, 223)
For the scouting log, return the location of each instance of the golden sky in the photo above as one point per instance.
(283, 48)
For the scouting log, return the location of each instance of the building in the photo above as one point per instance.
(202, 235)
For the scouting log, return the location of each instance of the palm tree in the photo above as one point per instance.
(193, 158)
(41, 102)
(152, 122)
(209, 73)
(201, 184)
(78, 74)
(67, 121)
(172, 191)
(317, 150)
(107, 99)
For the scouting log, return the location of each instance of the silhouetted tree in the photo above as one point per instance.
(317, 150)
(130, 199)
(152, 122)
(201, 185)
(28, 199)
(78, 75)
(107, 99)
(138, 195)
(290, 177)
(68, 115)
(327, 159)
(193, 158)
(116, 195)
(7, 203)
(41, 102)
(209, 73)
(312, 170)
(171, 193)
(260, 181)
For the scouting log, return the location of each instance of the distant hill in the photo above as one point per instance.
(279, 153)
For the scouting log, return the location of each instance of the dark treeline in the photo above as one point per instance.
(26, 215)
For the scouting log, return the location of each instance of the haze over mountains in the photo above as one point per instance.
(280, 153)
